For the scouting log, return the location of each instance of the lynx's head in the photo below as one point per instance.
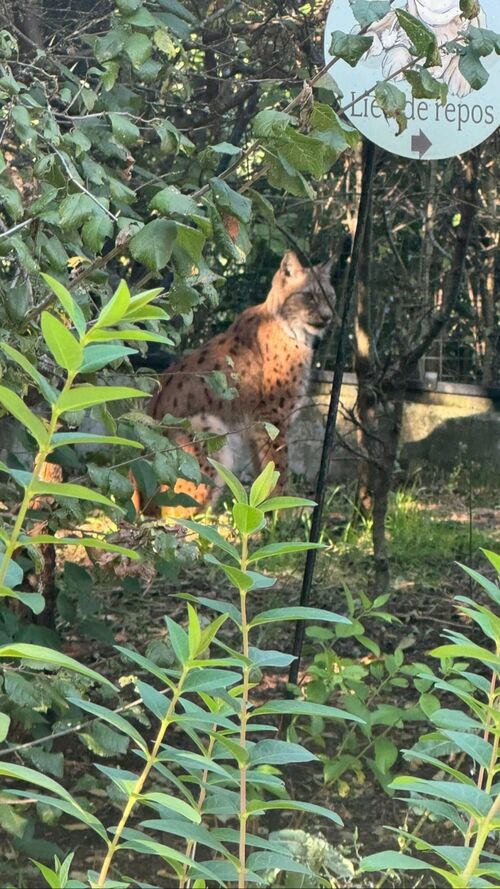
(302, 299)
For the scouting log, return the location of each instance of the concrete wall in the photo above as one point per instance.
(442, 425)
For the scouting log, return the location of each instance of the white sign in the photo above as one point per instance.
(434, 130)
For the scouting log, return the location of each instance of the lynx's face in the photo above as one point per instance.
(303, 299)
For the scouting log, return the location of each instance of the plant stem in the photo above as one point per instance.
(494, 756)
(192, 844)
(139, 784)
(29, 492)
(481, 837)
(243, 721)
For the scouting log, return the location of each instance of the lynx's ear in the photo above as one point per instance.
(290, 265)
(326, 267)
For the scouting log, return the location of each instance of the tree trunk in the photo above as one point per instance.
(488, 289)
(381, 390)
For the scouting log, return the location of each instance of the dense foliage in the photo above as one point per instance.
(184, 145)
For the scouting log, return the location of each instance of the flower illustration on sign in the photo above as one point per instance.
(445, 19)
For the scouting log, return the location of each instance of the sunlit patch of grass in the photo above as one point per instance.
(416, 537)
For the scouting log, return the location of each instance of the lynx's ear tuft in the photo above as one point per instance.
(290, 264)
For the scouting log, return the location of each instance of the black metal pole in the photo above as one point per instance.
(331, 422)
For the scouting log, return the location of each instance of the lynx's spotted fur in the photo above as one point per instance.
(270, 348)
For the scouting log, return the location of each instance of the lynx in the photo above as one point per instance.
(269, 347)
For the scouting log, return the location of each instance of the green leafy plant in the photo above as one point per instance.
(471, 734)
(77, 348)
(366, 686)
(222, 768)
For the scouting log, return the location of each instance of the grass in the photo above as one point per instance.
(416, 535)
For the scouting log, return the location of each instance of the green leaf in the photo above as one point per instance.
(11, 820)
(425, 86)
(297, 707)
(282, 549)
(226, 148)
(384, 861)
(97, 357)
(96, 230)
(65, 803)
(242, 580)
(491, 588)
(188, 831)
(81, 397)
(269, 658)
(189, 240)
(470, 799)
(127, 7)
(467, 651)
(392, 101)
(51, 658)
(206, 679)
(144, 845)
(152, 245)
(34, 601)
(271, 752)
(298, 612)
(224, 608)
(145, 663)
(266, 862)
(473, 69)
(15, 406)
(164, 42)
(66, 489)
(257, 806)
(124, 131)
(138, 48)
(75, 210)
(194, 632)
(14, 574)
(270, 122)
(211, 535)
(248, 519)
(45, 388)
(304, 153)
(11, 200)
(483, 41)
(386, 754)
(170, 200)
(349, 47)
(4, 726)
(233, 483)
(423, 38)
(62, 439)
(132, 334)
(110, 45)
(230, 201)
(67, 351)
(116, 309)
(368, 11)
(92, 542)
(178, 639)
(278, 503)
(264, 484)
(154, 700)
(477, 748)
(69, 305)
(167, 801)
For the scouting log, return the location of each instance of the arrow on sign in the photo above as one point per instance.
(420, 143)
